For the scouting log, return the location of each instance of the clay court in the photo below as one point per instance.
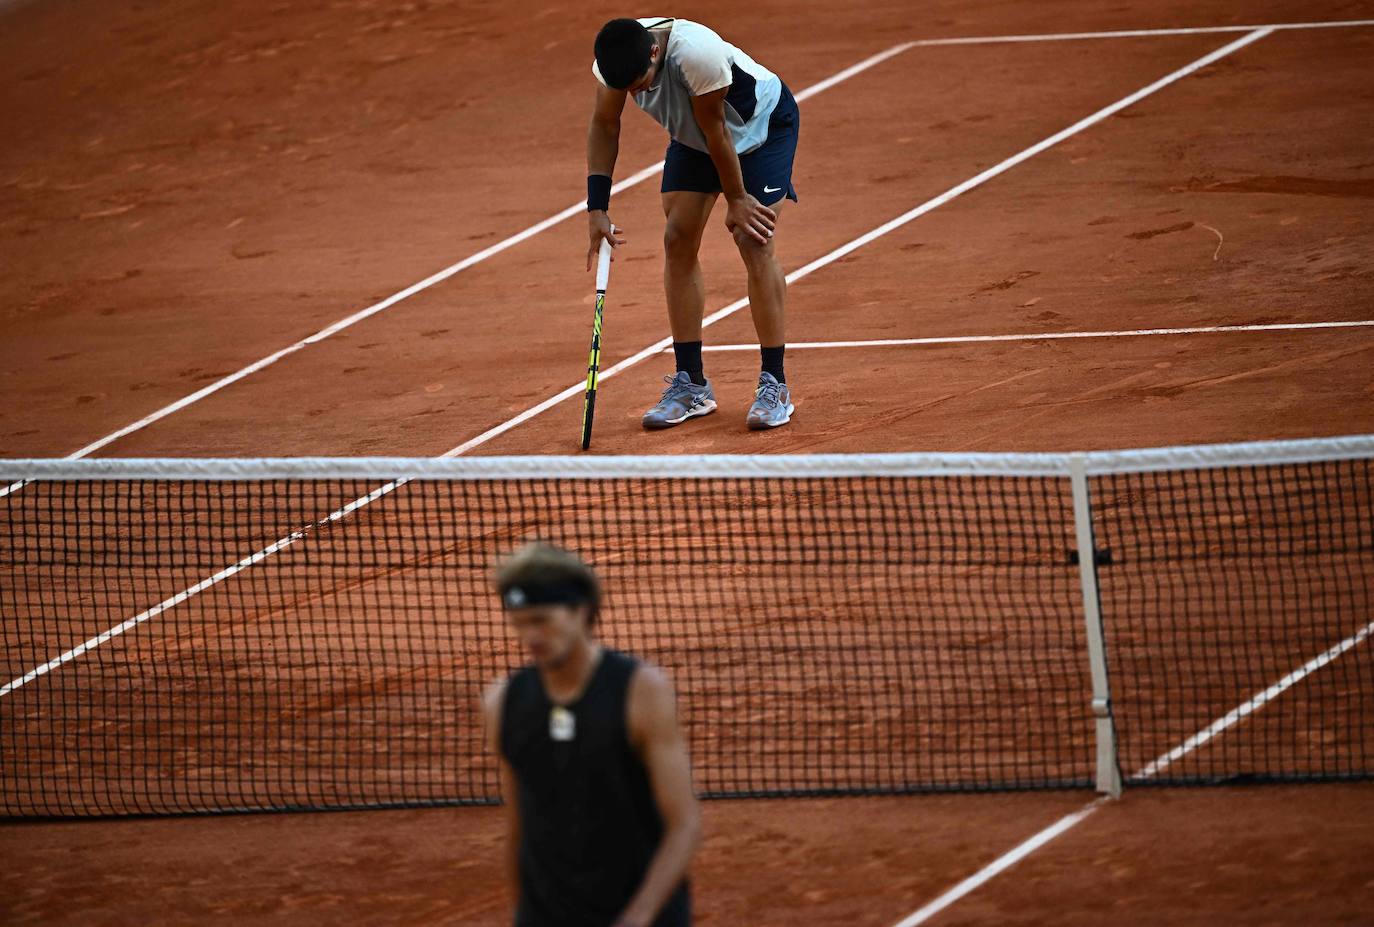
(353, 229)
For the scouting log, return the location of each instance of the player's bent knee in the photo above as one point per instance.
(752, 250)
(679, 243)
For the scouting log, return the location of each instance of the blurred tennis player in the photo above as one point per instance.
(602, 822)
(733, 127)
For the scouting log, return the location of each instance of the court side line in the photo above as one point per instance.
(653, 349)
(1001, 864)
(433, 279)
(892, 224)
(1135, 33)
(1253, 704)
(1232, 717)
(1051, 336)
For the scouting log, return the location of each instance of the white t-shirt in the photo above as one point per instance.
(698, 61)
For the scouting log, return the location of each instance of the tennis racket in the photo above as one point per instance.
(603, 276)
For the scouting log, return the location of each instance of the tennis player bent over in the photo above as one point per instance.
(602, 822)
(733, 127)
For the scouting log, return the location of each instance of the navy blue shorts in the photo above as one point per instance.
(767, 169)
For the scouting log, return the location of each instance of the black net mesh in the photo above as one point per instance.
(826, 636)
(190, 645)
(1236, 609)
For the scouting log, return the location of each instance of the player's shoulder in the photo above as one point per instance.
(650, 684)
(688, 30)
(651, 706)
(701, 57)
(693, 38)
(517, 685)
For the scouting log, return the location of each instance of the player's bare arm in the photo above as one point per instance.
(491, 716)
(657, 738)
(744, 214)
(603, 145)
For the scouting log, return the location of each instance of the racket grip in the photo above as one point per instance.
(603, 266)
(588, 410)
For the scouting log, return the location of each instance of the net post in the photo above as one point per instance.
(1108, 770)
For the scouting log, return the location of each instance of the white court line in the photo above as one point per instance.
(848, 72)
(1051, 336)
(1253, 704)
(431, 280)
(651, 350)
(1135, 33)
(891, 225)
(1000, 864)
(1235, 715)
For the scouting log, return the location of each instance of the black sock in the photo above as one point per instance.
(689, 359)
(772, 362)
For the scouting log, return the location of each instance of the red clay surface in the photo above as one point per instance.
(188, 187)
(1229, 856)
(1274, 855)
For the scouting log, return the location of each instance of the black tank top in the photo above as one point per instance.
(588, 823)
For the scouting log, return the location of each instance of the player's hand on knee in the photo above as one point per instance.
(751, 219)
(599, 228)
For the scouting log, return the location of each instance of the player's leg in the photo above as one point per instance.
(768, 177)
(688, 197)
(772, 404)
(685, 216)
(767, 283)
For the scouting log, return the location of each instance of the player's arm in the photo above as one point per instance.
(654, 732)
(744, 214)
(603, 145)
(492, 700)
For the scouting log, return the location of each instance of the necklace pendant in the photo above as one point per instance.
(562, 724)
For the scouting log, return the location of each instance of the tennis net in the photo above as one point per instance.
(224, 635)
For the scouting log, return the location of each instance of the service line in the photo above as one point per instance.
(1052, 336)
(1136, 33)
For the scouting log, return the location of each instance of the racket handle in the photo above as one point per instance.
(588, 411)
(603, 266)
(593, 371)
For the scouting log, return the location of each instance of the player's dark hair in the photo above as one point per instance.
(623, 49)
(545, 573)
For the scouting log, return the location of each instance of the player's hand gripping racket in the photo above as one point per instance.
(603, 276)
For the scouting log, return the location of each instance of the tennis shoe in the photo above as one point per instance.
(772, 404)
(682, 400)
